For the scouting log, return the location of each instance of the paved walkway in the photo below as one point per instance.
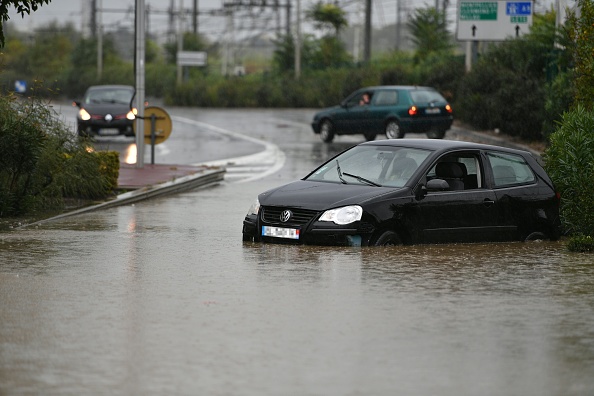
(133, 178)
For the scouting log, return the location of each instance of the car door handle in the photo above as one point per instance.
(488, 202)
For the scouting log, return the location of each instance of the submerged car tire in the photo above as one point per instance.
(327, 131)
(393, 130)
(388, 238)
(536, 236)
(436, 134)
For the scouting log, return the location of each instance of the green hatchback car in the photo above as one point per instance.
(392, 110)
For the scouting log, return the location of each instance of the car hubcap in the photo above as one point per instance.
(392, 131)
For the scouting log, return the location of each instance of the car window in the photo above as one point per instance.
(120, 96)
(385, 165)
(426, 96)
(386, 98)
(509, 169)
(462, 172)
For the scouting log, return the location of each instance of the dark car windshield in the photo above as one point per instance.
(426, 96)
(109, 95)
(387, 166)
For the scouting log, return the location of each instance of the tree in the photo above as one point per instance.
(327, 16)
(429, 31)
(581, 34)
(22, 7)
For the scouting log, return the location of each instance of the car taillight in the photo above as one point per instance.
(412, 111)
(449, 108)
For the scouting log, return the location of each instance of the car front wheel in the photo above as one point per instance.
(393, 130)
(388, 238)
(326, 132)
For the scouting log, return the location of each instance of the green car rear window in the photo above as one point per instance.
(426, 96)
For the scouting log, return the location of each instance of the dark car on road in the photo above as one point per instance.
(390, 110)
(410, 191)
(106, 110)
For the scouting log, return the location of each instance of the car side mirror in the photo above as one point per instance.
(437, 185)
(75, 103)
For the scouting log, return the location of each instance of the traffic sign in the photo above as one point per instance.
(484, 20)
(158, 120)
(191, 58)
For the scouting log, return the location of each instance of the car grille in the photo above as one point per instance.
(299, 217)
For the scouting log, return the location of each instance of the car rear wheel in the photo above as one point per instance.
(388, 238)
(369, 136)
(393, 130)
(436, 134)
(326, 131)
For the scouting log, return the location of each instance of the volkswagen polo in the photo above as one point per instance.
(409, 191)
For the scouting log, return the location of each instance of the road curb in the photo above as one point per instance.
(204, 179)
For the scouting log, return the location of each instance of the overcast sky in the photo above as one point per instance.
(120, 13)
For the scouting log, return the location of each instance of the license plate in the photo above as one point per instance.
(109, 131)
(279, 232)
(432, 111)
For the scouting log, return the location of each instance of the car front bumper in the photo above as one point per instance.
(316, 233)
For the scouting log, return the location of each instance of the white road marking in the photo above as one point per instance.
(246, 168)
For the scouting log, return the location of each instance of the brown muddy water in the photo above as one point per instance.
(162, 297)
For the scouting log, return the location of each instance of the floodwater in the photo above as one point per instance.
(162, 297)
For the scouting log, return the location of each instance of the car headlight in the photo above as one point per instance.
(255, 208)
(131, 114)
(344, 215)
(84, 115)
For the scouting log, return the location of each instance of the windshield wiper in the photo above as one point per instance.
(363, 180)
(340, 173)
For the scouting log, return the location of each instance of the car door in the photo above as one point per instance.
(351, 118)
(465, 211)
(519, 195)
(384, 103)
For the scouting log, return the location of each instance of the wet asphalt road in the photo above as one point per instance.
(162, 297)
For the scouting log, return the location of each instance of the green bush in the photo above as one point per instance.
(569, 160)
(42, 162)
(493, 96)
(581, 243)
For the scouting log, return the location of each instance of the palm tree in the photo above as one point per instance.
(327, 16)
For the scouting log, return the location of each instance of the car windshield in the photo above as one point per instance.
(111, 95)
(426, 96)
(387, 166)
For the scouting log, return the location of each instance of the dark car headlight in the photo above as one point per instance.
(255, 208)
(344, 215)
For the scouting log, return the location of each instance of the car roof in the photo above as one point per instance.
(441, 145)
(114, 86)
(402, 87)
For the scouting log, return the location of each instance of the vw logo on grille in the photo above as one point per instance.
(108, 117)
(285, 215)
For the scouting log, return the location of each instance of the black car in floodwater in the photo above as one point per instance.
(106, 110)
(409, 191)
(393, 110)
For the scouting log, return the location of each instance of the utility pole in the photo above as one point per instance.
(367, 41)
(139, 55)
(99, 27)
(298, 42)
(195, 17)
